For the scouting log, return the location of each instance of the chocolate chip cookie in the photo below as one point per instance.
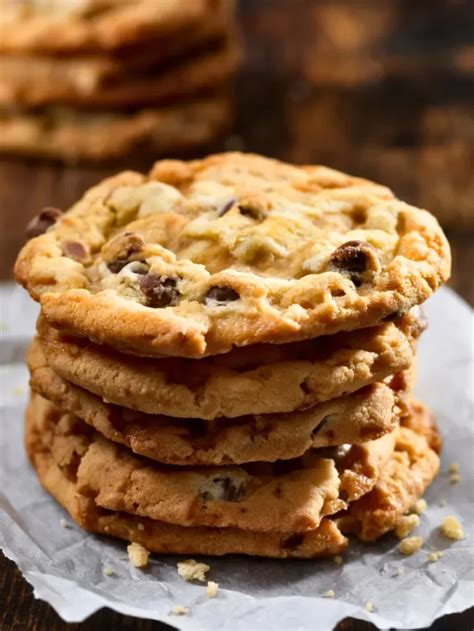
(198, 257)
(412, 467)
(288, 496)
(362, 416)
(139, 89)
(78, 26)
(161, 537)
(258, 379)
(70, 135)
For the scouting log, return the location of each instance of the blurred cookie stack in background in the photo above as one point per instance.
(225, 357)
(98, 79)
(395, 79)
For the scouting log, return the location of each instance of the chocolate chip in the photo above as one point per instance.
(248, 210)
(356, 258)
(293, 541)
(351, 256)
(129, 245)
(159, 290)
(224, 489)
(44, 220)
(76, 251)
(226, 207)
(221, 295)
(116, 266)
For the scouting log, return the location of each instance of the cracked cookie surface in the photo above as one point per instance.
(232, 250)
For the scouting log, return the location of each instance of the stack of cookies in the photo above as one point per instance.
(97, 79)
(225, 357)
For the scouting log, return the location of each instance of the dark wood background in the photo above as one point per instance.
(380, 89)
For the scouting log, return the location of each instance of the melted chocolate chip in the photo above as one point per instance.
(225, 489)
(226, 207)
(293, 541)
(116, 266)
(132, 245)
(159, 290)
(357, 258)
(44, 220)
(247, 210)
(222, 295)
(76, 251)
(351, 256)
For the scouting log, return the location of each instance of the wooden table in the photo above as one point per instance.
(291, 106)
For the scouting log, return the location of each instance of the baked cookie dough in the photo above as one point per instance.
(410, 470)
(288, 496)
(360, 417)
(236, 249)
(258, 379)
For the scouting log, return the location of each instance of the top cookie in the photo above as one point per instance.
(77, 25)
(231, 250)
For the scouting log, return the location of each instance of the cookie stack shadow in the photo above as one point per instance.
(225, 357)
(266, 450)
(99, 79)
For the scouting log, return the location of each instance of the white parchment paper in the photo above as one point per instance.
(65, 565)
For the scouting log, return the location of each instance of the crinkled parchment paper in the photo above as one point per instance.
(65, 565)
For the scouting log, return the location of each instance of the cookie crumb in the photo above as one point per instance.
(338, 560)
(138, 555)
(212, 589)
(442, 502)
(419, 506)
(454, 478)
(63, 523)
(108, 571)
(140, 527)
(179, 610)
(452, 528)
(410, 545)
(19, 391)
(399, 571)
(369, 606)
(406, 524)
(453, 468)
(329, 594)
(191, 570)
(435, 556)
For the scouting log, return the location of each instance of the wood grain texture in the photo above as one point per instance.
(407, 122)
